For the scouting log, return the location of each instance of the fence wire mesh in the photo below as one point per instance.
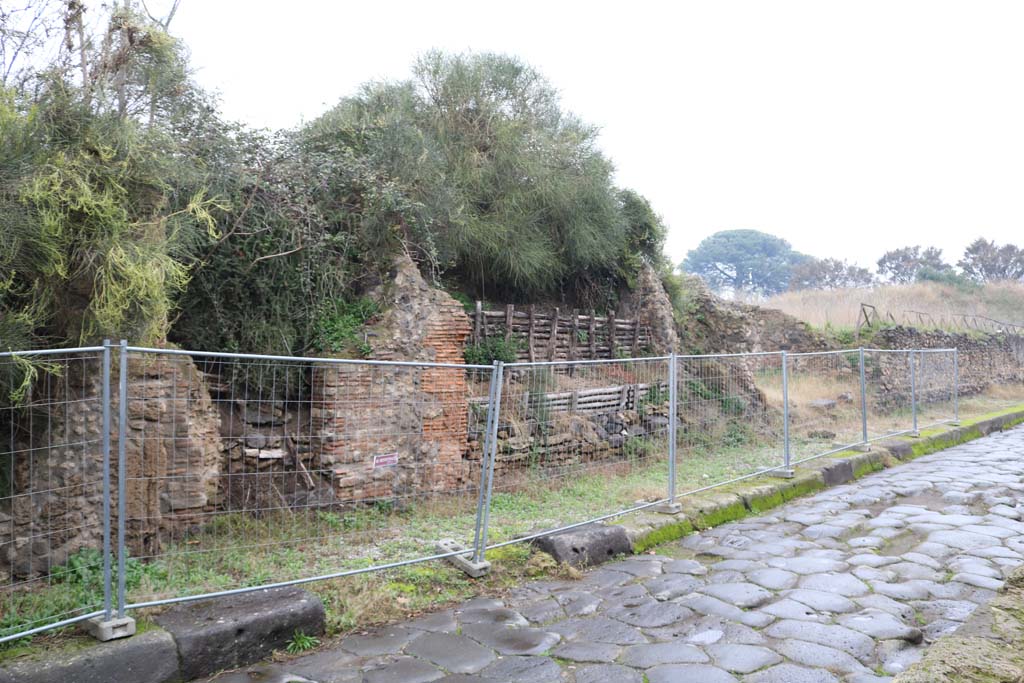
(51, 488)
(730, 411)
(244, 472)
(825, 403)
(577, 441)
(935, 386)
(247, 471)
(890, 392)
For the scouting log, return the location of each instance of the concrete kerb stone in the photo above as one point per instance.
(193, 640)
(212, 635)
(147, 657)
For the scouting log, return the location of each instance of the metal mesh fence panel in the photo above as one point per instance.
(935, 389)
(246, 471)
(52, 459)
(235, 472)
(825, 403)
(889, 392)
(577, 441)
(990, 379)
(730, 410)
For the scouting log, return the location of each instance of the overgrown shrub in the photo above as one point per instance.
(337, 331)
(490, 349)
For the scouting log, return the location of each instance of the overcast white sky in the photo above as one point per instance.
(848, 128)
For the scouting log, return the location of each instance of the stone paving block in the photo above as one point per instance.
(840, 584)
(745, 595)
(404, 670)
(672, 586)
(791, 673)
(742, 659)
(588, 652)
(646, 656)
(772, 578)
(851, 642)
(598, 630)
(524, 670)
(819, 656)
(510, 640)
(608, 673)
(651, 614)
(881, 625)
(820, 600)
(384, 641)
(454, 653)
(689, 673)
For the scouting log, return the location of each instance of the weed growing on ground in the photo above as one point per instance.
(301, 642)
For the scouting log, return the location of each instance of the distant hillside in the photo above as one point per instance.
(839, 308)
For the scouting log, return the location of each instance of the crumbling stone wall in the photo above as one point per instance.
(172, 459)
(56, 456)
(711, 324)
(393, 431)
(173, 452)
(650, 305)
(983, 359)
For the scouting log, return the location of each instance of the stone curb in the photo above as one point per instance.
(192, 640)
(986, 647)
(729, 503)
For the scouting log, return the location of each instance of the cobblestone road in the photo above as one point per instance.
(848, 585)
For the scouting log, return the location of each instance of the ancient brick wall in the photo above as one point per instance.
(391, 432)
(173, 454)
(172, 458)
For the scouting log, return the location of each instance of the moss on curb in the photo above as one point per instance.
(754, 496)
(677, 528)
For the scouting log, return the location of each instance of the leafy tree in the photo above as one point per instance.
(829, 273)
(94, 229)
(738, 261)
(505, 190)
(985, 261)
(130, 208)
(903, 265)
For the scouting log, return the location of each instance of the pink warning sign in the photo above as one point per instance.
(385, 460)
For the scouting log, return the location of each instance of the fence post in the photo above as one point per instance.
(484, 457)
(499, 372)
(787, 470)
(863, 403)
(670, 506)
(913, 392)
(107, 574)
(122, 437)
(956, 386)
(108, 627)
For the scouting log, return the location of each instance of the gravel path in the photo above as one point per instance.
(848, 585)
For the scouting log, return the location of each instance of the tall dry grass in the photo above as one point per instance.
(839, 308)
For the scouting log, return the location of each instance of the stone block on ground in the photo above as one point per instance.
(837, 472)
(147, 657)
(234, 631)
(587, 545)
